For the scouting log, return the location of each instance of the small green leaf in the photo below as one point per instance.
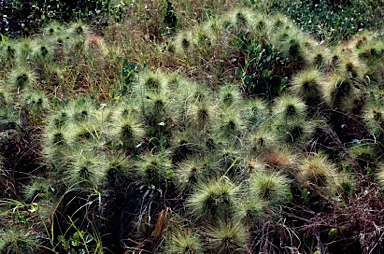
(170, 174)
(239, 72)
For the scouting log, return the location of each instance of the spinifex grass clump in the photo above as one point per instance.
(229, 158)
(42, 53)
(308, 85)
(380, 174)
(374, 118)
(35, 103)
(185, 47)
(365, 153)
(272, 188)
(290, 122)
(152, 81)
(213, 200)
(53, 28)
(22, 77)
(117, 170)
(184, 242)
(293, 48)
(351, 67)
(227, 237)
(38, 188)
(154, 169)
(127, 127)
(254, 112)
(229, 96)
(25, 49)
(281, 159)
(230, 123)
(85, 169)
(370, 52)
(340, 92)
(9, 53)
(56, 150)
(18, 241)
(202, 115)
(319, 57)
(84, 134)
(190, 172)
(82, 110)
(319, 175)
(184, 144)
(289, 108)
(261, 142)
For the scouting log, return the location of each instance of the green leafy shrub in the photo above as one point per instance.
(331, 21)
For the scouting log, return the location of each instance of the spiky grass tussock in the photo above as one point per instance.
(371, 54)
(152, 82)
(365, 153)
(319, 174)
(279, 20)
(154, 169)
(380, 174)
(293, 48)
(22, 77)
(185, 45)
(308, 85)
(351, 67)
(25, 49)
(213, 199)
(319, 57)
(230, 123)
(183, 144)
(238, 20)
(42, 52)
(184, 242)
(229, 96)
(289, 108)
(84, 169)
(4, 95)
(9, 53)
(38, 188)
(18, 241)
(270, 187)
(294, 132)
(81, 110)
(202, 115)
(78, 29)
(156, 106)
(127, 128)
(230, 159)
(60, 118)
(261, 142)
(228, 237)
(374, 118)
(118, 170)
(53, 28)
(36, 102)
(280, 158)
(254, 112)
(190, 172)
(339, 92)
(56, 150)
(251, 210)
(86, 133)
